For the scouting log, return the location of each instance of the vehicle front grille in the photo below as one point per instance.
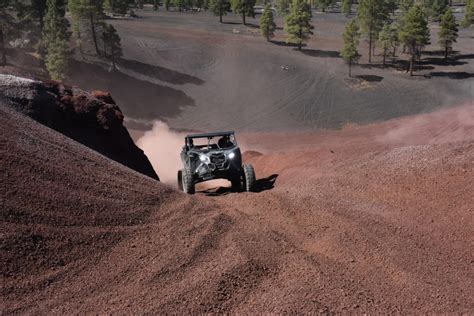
(218, 159)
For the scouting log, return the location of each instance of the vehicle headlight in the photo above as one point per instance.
(231, 155)
(203, 158)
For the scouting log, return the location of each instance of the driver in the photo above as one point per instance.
(224, 142)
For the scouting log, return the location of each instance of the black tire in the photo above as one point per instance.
(249, 178)
(187, 181)
(180, 180)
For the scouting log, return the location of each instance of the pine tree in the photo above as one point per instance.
(437, 9)
(415, 33)
(55, 39)
(324, 4)
(297, 23)
(282, 7)
(394, 40)
(468, 14)
(112, 45)
(372, 14)
(219, 7)
(116, 6)
(38, 8)
(244, 8)
(448, 32)
(347, 7)
(15, 24)
(405, 5)
(267, 24)
(350, 37)
(180, 4)
(384, 40)
(87, 12)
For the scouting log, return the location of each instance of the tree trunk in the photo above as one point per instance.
(412, 61)
(446, 50)
(94, 36)
(3, 59)
(243, 18)
(220, 15)
(350, 68)
(384, 55)
(370, 44)
(300, 42)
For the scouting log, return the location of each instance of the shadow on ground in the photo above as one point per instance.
(452, 75)
(138, 99)
(370, 78)
(160, 73)
(263, 184)
(321, 53)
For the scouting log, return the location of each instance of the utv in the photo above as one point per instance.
(214, 156)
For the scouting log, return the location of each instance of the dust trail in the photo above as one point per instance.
(162, 146)
(444, 126)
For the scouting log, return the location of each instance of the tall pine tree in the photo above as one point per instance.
(372, 14)
(219, 7)
(346, 7)
(112, 45)
(244, 8)
(350, 37)
(55, 40)
(297, 23)
(385, 41)
(267, 24)
(468, 14)
(448, 32)
(415, 33)
(87, 13)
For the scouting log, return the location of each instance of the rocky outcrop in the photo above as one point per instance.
(92, 119)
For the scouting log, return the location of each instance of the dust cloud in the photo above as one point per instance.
(444, 126)
(162, 146)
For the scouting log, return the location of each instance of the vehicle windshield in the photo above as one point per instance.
(215, 142)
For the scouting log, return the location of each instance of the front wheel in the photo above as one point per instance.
(187, 183)
(249, 178)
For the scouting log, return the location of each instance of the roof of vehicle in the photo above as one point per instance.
(213, 134)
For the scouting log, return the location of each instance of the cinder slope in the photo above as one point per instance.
(364, 231)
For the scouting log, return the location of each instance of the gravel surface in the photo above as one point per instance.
(357, 221)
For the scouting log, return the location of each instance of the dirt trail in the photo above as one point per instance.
(358, 220)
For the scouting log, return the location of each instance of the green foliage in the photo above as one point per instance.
(116, 6)
(448, 32)
(244, 8)
(324, 4)
(350, 37)
(468, 19)
(415, 33)
(437, 9)
(372, 14)
(219, 7)
(405, 5)
(282, 7)
(267, 24)
(385, 40)
(87, 17)
(297, 23)
(347, 7)
(112, 45)
(180, 4)
(55, 39)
